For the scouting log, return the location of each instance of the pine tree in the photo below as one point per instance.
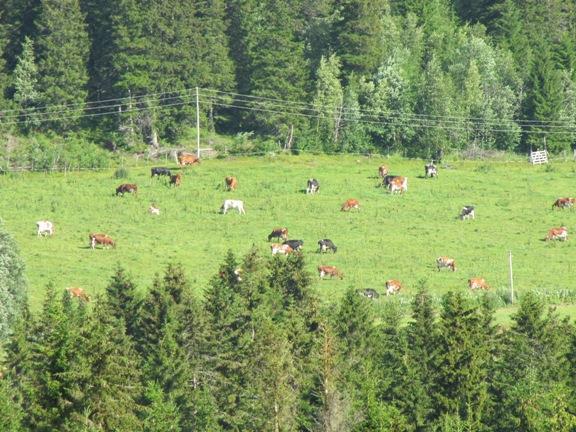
(62, 51)
(121, 300)
(26, 85)
(12, 412)
(161, 414)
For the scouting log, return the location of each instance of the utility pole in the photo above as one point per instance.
(197, 125)
(511, 277)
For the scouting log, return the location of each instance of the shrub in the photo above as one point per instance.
(121, 172)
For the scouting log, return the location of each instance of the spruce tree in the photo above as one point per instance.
(26, 85)
(12, 412)
(121, 300)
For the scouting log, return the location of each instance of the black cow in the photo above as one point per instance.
(326, 245)
(387, 180)
(160, 171)
(312, 186)
(295, 244)
(369, 293)
(430, 170)
(467, 212)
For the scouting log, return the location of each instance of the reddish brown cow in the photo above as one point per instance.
(477, 283)
(350, 204)
(393, 286)
(398, 184)
(446, 262)
(176, 180)
(187, 159)
(78, 293)
(278, 233)
(101, 239)
(231, 183)
(329, 271)
(281, 249)
(564, 203)
(383, 171)
(126, 188)
(558, 234)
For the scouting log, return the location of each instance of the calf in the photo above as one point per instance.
(78, 293)
(393, 286)
(159, 171)
(176, 180)
(281, 249)
(187, 159)
(445, 262)
(382, 171)
(430, 170)
(467, 212)
(44, 227)
(398, 184)
(562, 203)
(153, 210)
(326, 245)
(558, 234)
(232, 204)
(312, 186)
(369, 293)
(126, 188)
(101, 239)
(231, 183)
(329, 271)
(350, 204)
(278, 233)
(297, 245)
(477, 283)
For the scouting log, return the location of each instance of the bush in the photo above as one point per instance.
(121, 173)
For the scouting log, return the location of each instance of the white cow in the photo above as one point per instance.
(45, 227)
(153, 210)
(232, 204)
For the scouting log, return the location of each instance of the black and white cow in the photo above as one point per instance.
(326, 244)
(369, 293)
(160, 171)
(312, 186)
(430, 170)
(467, 212)
(295, 244)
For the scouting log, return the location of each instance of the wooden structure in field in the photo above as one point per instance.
(538, 157)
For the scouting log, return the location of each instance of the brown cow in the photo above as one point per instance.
(278, 233)
(383, 171)
(398, 184)
(558, 234)
(231, 183)
(127, 188)
(176, 180)
(350, 204)
(187, 159)
(281, 249)
(564, 203)
(393, 286)
(477, 283)
(446, 262)
(102, 239)
(329, 271)
(78, 293)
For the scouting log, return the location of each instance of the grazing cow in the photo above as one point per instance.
(398, 184)
(393, 286)
(297, 245)
(153, 210)
(187, 159)
(446, 262)
(430, 170)
(382, 171)
(78, 293)
(467, 212)
(281, 249)
(278, 233)
(312, 186)
(350, 204)
(329, 271)
(477, 283)
(326, 245)
(231, 183)
(558, 234)
(369, 293)
(101, 239)
(44, 227)
(159, 171)
(176, 180)
(562, 203)
(126, 188)
(232, 204)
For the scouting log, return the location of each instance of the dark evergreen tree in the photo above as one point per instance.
(26, 86)
(161, 414)
(12, 412)
(122, 301)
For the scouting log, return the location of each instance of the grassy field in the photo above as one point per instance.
(390, 237)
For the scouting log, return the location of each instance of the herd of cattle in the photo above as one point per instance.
(394, 184)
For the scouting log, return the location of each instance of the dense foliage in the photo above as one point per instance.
(257, 352)
(414, 77)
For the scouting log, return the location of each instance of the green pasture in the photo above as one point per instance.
(396, 236)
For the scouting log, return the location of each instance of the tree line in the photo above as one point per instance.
(258, 352)
(413, 77)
